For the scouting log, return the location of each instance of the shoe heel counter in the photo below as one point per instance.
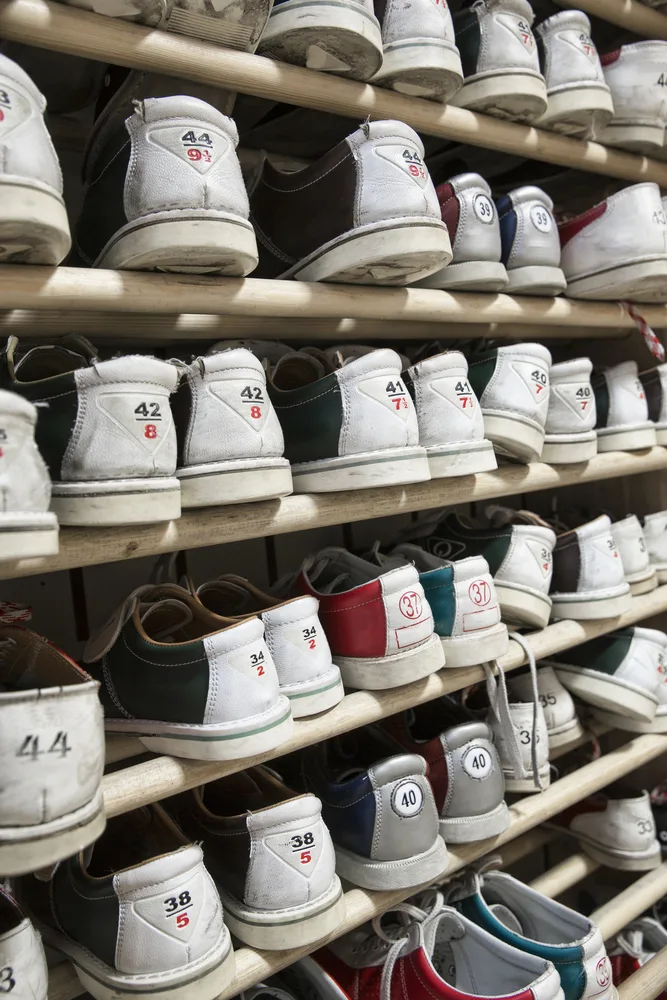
(507, 41)
(597, 970)
(570, 56)
(243, 677)
(22, 127)
(477, 604)
(25, 484)
(601, 566)
(476, 784)
(297, 641)
(478, 230)
(408, 614)
(169, 914)
(447, 408)
(433, 18)
(536, 242)
(521, 715)
(378, 411)
(627, 400)
(183, 156)
(520, 385)
(23, 969)
(571, 407)
(392, 179)
(51, 753)
(406, 819)
(529, 559)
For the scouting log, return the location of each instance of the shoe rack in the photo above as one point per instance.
(159, 309)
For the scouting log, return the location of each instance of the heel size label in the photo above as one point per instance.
(14, 110)
(174, 912)
(144, 418)
(408, 160)
(300, 850)
(199, 146)
(391, 392)
(246, 397)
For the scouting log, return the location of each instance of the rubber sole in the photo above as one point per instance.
(275, 930)
(537, 279)
(468, 650)
(632, 439)
(521, 607)
(589, 608)
(628, 725)
(578, 110)
(644, 281)
(661, 434)
(644, 586)
(222, 483)
(469, 829)
(227, 741)
(392, 874)
(116, 502)
(384, 672)
(625, 861)
(527, 785)
(318, 696)
(514, 437)
(459, 459)
(568, 732)
(519, 97)
(395, 252)
(184, 243)
(569, 449)
(26, 536)
(602, 691)
(33, 224)
(389, 467)
(474, 275)
(641, 138)
(421, 67)
(333, 37)
(38, 848)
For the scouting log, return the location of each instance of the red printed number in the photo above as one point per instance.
(150, 431)
(410, 605)
(417, 171)
(400, 402)
(305, 857)
(199, 154)
(182, 920)
(255, 412)
(479, 592)
(311, 644)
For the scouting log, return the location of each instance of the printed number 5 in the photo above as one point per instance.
(182, 920)
(305, 857)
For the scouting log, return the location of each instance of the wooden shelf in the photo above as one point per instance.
(562, 877)
(632, 902)
(216, 525)
(81, 33)
(636, 17)
(648, 982)
(526, 814)
(159, 777)
(79, 289)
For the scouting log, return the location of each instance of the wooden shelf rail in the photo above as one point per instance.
(81, 33)
(648, 982)
(563, 876)
(161, 776)
(79, 289)
(632, 902)
(216, 525)
(630, 14)
(361, 905)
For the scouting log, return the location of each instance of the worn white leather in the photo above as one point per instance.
(643, 661)
(448, 410)
(297, 641)
(571, 398)
(521, 716)
(279, 876)
(626, 824)
(633, 80)
(124, 428)
(25, 485)
(655, 534)
(519, 385)
(632, 228)
(26, 150)
(425, 20)
(600, 566)
(476, 599)
(570, 56)
(507, 40)
(661, 422)
(371, 386)
(151, 939)
(165, 175)
(631, 544)
(627, 400)
(391, 171)
(243, 680)
(597, 967)
(536, 241)
(556, 702)
(477, 232)
(529, 559)
(232, 416)
(23, 971)
(397, 834)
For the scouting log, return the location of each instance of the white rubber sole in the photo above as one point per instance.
(517, 96)
(115, 502)
(641, 138)
(632, 439)
(183, 242)
(522, 607)
(661, 434)
(33, 224)
(204, 979)
(568, 732)
(395, 252)
(588, 607)
(569, 449)
(578, 110)
(607, 693)
(644, 585)
(468, 650)
(316, 696)
(389, 467)
(474, 275)
(527, 785)
(24, 536)
(242, 481)
(625, 861)
(469, 829)
(421, 67)
(537, 279)
(644, 281)
(25, 849)
(294, 927)
(514, 436)
(402, 874)
(461, 459)
(657, 725)
(228, 741)
(333, 37)
(383, 672)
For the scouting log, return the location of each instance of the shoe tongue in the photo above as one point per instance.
(506, 917)
(297, 369)
(48, 360)
(500, 516)
(164, 618)
(228, 598)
